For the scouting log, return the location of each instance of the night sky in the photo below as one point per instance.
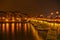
(31, 7)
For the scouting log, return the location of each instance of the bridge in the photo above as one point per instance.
(41, 29)
(48, 30)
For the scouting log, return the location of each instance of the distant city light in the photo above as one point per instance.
(52, 13)
(3, 17)
(57, 12)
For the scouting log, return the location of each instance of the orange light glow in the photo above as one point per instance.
(25, 27)
(52, 13)
(35, 33)
(25, 18)
(17, 25)
(7, 27)
(28, 26)
(3, 27)
(57, 12)
(6, 20)
(12, 28)
(19, 19)
(20, 26)
(3, 17)
(13, 19)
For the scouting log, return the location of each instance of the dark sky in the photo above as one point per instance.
(32, 7)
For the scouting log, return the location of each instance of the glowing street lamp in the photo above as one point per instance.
(57, 12)
(52, 13)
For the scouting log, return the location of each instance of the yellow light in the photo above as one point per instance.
(19, 19)
(13, 28)
(6, 20)
(35, 33)
(13, 19)
(59, 25)
(25, 18)
(25, 27)
(7, 27)
(45, 22)
(20, 26)
(52, 13)
(3, 27)
(56, 24)
(3, 17)
(49, 24)
(41, 21)
(52, 24)
(57, 12)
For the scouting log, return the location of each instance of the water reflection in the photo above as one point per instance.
(3, 27)
(12, 25)
(7, 27)
(15, 31)
(17, 26)
(25, 27)
(29, 26)
(35, 34)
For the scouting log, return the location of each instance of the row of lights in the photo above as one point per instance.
(12, 19)
(51, 14)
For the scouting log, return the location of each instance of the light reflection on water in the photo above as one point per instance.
(3, 27)
(25, 27)
(12, 27)
(17, 26)
(7, 27)
(9, 30)
(13, 31)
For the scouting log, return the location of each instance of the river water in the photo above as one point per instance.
(18, 31)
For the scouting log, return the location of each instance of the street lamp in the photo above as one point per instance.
(52, 13)
(57, 12)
